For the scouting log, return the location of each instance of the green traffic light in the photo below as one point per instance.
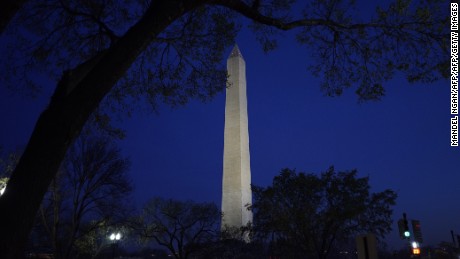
(406, 233)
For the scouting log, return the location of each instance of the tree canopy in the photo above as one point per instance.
(181, 227)
(184, 59)
(309, 214)
(89, 195)
(118, 52)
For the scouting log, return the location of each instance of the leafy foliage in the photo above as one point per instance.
(352, 49)
(406, 36)
(183, 62)
(309, 214)
(349, 48)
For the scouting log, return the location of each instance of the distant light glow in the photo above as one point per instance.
(414, 244)
(406, 233)
(416, 251)
(2, 191)
(115, 236)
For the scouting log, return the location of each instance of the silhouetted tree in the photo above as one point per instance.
(307, 215)
(231, 249)
(181, 227)
(87, 198)
(171, 50)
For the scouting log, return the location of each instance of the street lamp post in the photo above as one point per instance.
(114, 237)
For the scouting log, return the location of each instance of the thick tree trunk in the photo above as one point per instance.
(63, 120)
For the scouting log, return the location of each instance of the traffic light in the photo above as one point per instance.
(406, 227)
(417, 231)
(404, 232)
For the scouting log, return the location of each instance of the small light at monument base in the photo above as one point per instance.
(416, 251)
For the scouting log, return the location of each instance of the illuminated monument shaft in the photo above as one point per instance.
(236, 190)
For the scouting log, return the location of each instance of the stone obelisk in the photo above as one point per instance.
(236, 189)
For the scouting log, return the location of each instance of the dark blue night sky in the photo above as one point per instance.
(401, 142)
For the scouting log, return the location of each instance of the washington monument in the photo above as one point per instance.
(236, 182)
